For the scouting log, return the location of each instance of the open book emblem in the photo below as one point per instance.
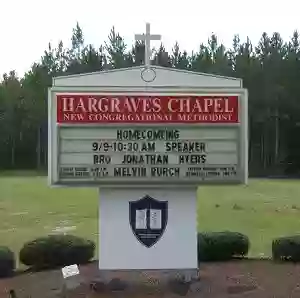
(148, 219)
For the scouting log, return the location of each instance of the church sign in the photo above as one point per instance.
(160, 137)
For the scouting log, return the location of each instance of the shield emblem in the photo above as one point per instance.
(148, 219)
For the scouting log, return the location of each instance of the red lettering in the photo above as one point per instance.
(185, 105)
(171, 103)
(208, 102)
(92, 104)
(218, 105)
(116, 108)
(156, 105)
(68, 104)
(197, 107)
(227, 109)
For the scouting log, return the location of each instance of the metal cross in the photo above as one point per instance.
(147, 38)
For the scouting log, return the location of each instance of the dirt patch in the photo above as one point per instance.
(259, 279)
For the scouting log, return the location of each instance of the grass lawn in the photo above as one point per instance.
(262, 210)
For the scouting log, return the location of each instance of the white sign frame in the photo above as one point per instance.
(53, 136)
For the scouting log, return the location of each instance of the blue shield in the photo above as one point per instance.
(148, 219)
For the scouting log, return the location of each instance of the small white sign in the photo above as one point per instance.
(69, 271)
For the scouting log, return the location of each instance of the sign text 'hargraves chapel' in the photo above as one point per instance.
(146, 109)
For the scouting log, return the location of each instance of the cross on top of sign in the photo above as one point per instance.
(147, 38)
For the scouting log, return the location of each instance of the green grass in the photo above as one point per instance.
(47, 208)
(262, 210)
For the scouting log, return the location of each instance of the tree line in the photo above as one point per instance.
(270, 71)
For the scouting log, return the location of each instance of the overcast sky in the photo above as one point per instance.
(26, 26)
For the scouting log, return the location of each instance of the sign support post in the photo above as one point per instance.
(147, 145)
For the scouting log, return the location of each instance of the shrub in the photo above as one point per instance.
(286, 249)
(56, 251)
(7, 262)
(222, 246)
